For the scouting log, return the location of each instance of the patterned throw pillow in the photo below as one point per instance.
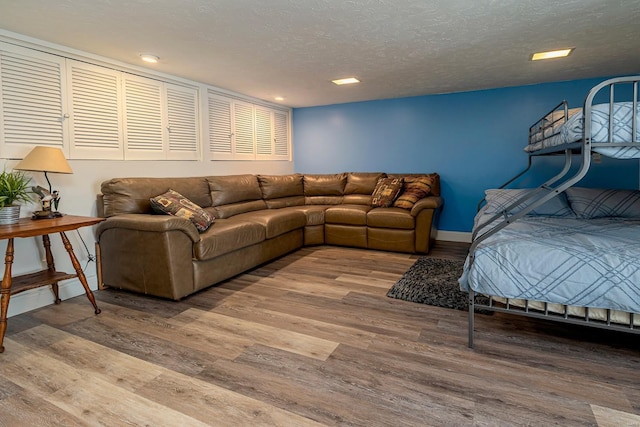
(500, 199)
(600, 203)
(414, 189)
(174, 203)
(386, 191)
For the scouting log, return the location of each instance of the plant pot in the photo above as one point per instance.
(9, 214)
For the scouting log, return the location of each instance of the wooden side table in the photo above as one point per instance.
(32, 228)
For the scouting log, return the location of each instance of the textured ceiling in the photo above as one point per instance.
(293, 48)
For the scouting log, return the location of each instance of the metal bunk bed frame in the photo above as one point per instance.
(550, 189)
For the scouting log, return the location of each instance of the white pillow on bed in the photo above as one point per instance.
(499, 199)
(601, 203)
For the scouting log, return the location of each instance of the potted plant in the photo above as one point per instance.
(14, 187)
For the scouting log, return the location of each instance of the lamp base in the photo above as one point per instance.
(46, 215)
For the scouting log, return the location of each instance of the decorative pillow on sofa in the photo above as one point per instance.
(386, 191)
(414, 189)
(174, 203)
(599, 203)
(499, 199)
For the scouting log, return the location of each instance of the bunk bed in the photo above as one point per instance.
(558, 251)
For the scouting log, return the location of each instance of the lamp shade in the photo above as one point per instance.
(45, 159)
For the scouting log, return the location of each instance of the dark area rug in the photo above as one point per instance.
(432, 281)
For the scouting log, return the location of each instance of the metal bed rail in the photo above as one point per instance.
(546, 314)
(548, 126)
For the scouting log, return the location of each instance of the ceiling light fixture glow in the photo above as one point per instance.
(147, 57)
(551, 54)
(279, 98)
(346, 81)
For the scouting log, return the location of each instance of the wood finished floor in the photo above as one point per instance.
(309, 339)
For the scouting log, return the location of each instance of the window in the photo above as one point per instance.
(95, 112)
(239, 130)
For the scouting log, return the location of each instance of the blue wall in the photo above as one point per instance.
(474, 140)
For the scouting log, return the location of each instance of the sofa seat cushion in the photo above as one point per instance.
(347, 214)
(314, 213)
(390, 218)
(276, 221)
(228, 235)
(227, 211)
(323, 200)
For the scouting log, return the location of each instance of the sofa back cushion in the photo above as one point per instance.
(360, 186)
(133, 195)
(324, 189)
(279, 191)
(235, 194)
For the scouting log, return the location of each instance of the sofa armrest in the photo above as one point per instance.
(429, 202)
(146, 222)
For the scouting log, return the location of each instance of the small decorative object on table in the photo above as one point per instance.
(46, 159)
(47, 199)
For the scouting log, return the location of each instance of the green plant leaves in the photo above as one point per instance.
(14, 187)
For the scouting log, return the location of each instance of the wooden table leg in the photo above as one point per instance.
(79, 272)
(51, 266)
(5, 291)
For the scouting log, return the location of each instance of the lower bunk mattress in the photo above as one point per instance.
(591, 263)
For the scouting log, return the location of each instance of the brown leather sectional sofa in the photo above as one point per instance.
(258, 218)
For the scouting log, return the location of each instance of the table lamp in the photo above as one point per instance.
(46, 159)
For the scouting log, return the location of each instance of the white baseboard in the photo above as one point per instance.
(453, 236)
(42, 296)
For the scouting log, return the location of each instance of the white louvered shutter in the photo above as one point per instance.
(182, 122)
(143, 119)
(32, 95)
(220, 127)
(281, 135)
(264, 133)
(95, 112)
(244, 134)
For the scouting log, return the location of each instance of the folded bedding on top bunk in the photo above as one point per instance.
(589, 263)
(572, 131)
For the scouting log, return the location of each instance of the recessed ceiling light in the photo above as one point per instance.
(551, 54)
(147, 57)
(279, 98)
(347, 81)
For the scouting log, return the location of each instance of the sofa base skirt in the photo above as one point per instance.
(314, 235)
(387, 239)
(210, 272)
(346, 235)
(127, 262)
